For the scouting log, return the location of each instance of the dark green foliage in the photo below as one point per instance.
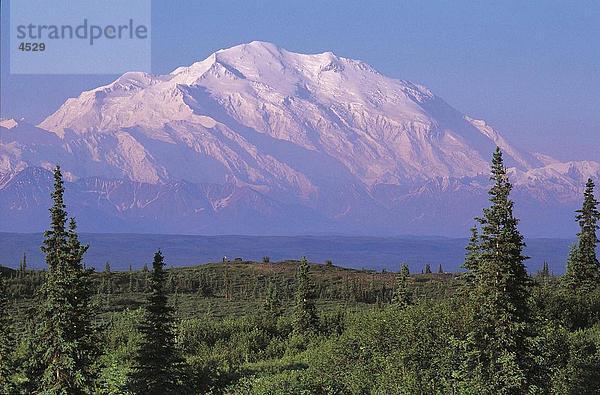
(473, 256)
(404, 270)
(571, 359)
(427, 269)
(440, 269)
(158, 368)
(305, 315)
(393, 351)
(545, 272)
(64, 345)
(497, 343)
(562, 307)
(273, 305)
(6, 340)
(583, 268)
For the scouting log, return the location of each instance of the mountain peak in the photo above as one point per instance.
(317, 136)
(255, 45)
(256, 96)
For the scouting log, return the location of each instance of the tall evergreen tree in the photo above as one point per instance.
(84, 330)
(497, 346)
(305, 314)
(64, 345)
(583, 268)
(402, 296)
(6, 340)
(158, 367)
(427, 268)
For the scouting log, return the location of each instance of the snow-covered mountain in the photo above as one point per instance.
(257, 139)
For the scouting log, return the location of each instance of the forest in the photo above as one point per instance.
(299, 327)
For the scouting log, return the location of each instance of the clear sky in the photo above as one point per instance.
(529, 68)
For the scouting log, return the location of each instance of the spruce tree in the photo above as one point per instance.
(427, 268)
(583, 268)
(440, 269)
(402, 296)
(497, 347)
(6, 340)
(65, 346)
(158, 367)
(305, 314)
(84, 330)
(473, 254)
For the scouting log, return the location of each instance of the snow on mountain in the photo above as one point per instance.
(8, 123)
(315, 132)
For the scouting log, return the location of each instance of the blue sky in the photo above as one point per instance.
(531, 69)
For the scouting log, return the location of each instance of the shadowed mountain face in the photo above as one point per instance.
(258, 140)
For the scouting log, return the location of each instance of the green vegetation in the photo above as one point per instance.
(497, 345)
(293, 327)
(158, 367)
(583, 269)
(63, 345)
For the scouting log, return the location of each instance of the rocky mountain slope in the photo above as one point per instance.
(256, 139)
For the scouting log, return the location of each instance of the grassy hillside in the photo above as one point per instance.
(238, 288)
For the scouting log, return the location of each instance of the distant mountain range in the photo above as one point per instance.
(259, 140)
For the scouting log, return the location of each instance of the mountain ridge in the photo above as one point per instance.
(263, 124)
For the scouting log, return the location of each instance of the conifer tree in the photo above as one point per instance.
(473, 254)
(440, 269)
(305, 315)
(405, 271)
(544, 274)
(402, 296)
(65, 340)
(583, 268)
(158, 367)
(427, 268)
(6, 341)
(23, 264)
(497, 348)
